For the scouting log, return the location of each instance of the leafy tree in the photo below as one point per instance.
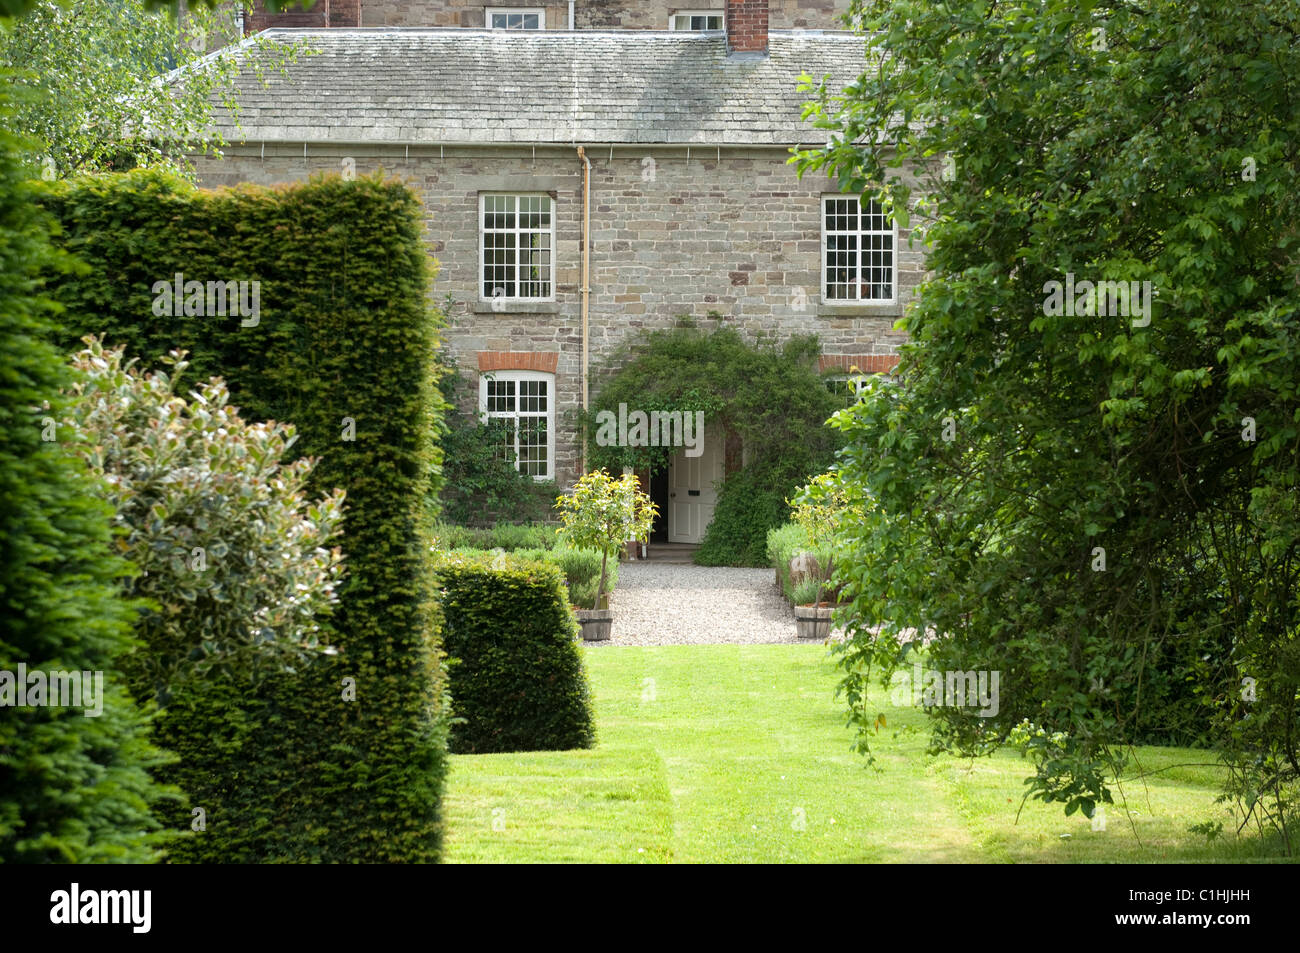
(20, 8)
(1067, 493)
(73, 788)
(92, 84)
(603, 513)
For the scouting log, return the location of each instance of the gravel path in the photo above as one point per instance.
(673, 604)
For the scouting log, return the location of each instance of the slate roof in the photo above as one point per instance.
(479, 86)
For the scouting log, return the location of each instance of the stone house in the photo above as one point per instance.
(583, 184)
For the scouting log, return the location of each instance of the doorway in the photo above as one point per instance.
(693, 484)
(659, 497)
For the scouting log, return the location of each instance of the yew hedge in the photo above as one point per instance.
(344, 759)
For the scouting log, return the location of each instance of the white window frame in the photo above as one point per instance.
(482, 247)
(721, 14)
(827, 232)
(859, 381)
(524, 11)
(517, 376)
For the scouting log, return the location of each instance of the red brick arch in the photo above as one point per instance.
(865, 363)
(518, 361)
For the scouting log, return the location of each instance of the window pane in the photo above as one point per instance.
(841, 215)
(848, 389)
(500, 396)
(532, 397)
(696, 21)
(509, 451)
(499, 211)
(873, 218)
(499, 272)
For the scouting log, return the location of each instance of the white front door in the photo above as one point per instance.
(693, 490)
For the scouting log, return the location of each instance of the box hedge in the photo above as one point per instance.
(343, 760)
(516, 675)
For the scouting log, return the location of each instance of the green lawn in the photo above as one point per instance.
(727, 753)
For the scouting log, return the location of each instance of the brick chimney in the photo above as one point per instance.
(746, 26)
(323, 13)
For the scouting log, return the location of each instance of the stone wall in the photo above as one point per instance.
(733, 232)
(461, 13)
(595, 14)
(323, 13)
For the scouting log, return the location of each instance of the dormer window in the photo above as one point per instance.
(698, 20)
(516, 18)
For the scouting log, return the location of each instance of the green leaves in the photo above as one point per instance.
(517, 683)
(326, 772)
(768, 394)
(211, 511)
(73, 789)
(1082, 158)
(603, 513)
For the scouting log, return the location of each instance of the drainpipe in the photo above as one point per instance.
(586, 287)
(571, 26)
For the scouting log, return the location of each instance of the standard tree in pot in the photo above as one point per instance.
(602, 513)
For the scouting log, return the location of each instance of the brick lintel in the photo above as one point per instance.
(865, 363)
(518, 361)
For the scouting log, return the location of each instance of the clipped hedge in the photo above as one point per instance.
(507, 536)
(581, 569)
(516, 674)
(345, 759)
(73, 789)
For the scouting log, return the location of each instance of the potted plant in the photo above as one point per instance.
(820, 508)
(812, 618)
(602, 513)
